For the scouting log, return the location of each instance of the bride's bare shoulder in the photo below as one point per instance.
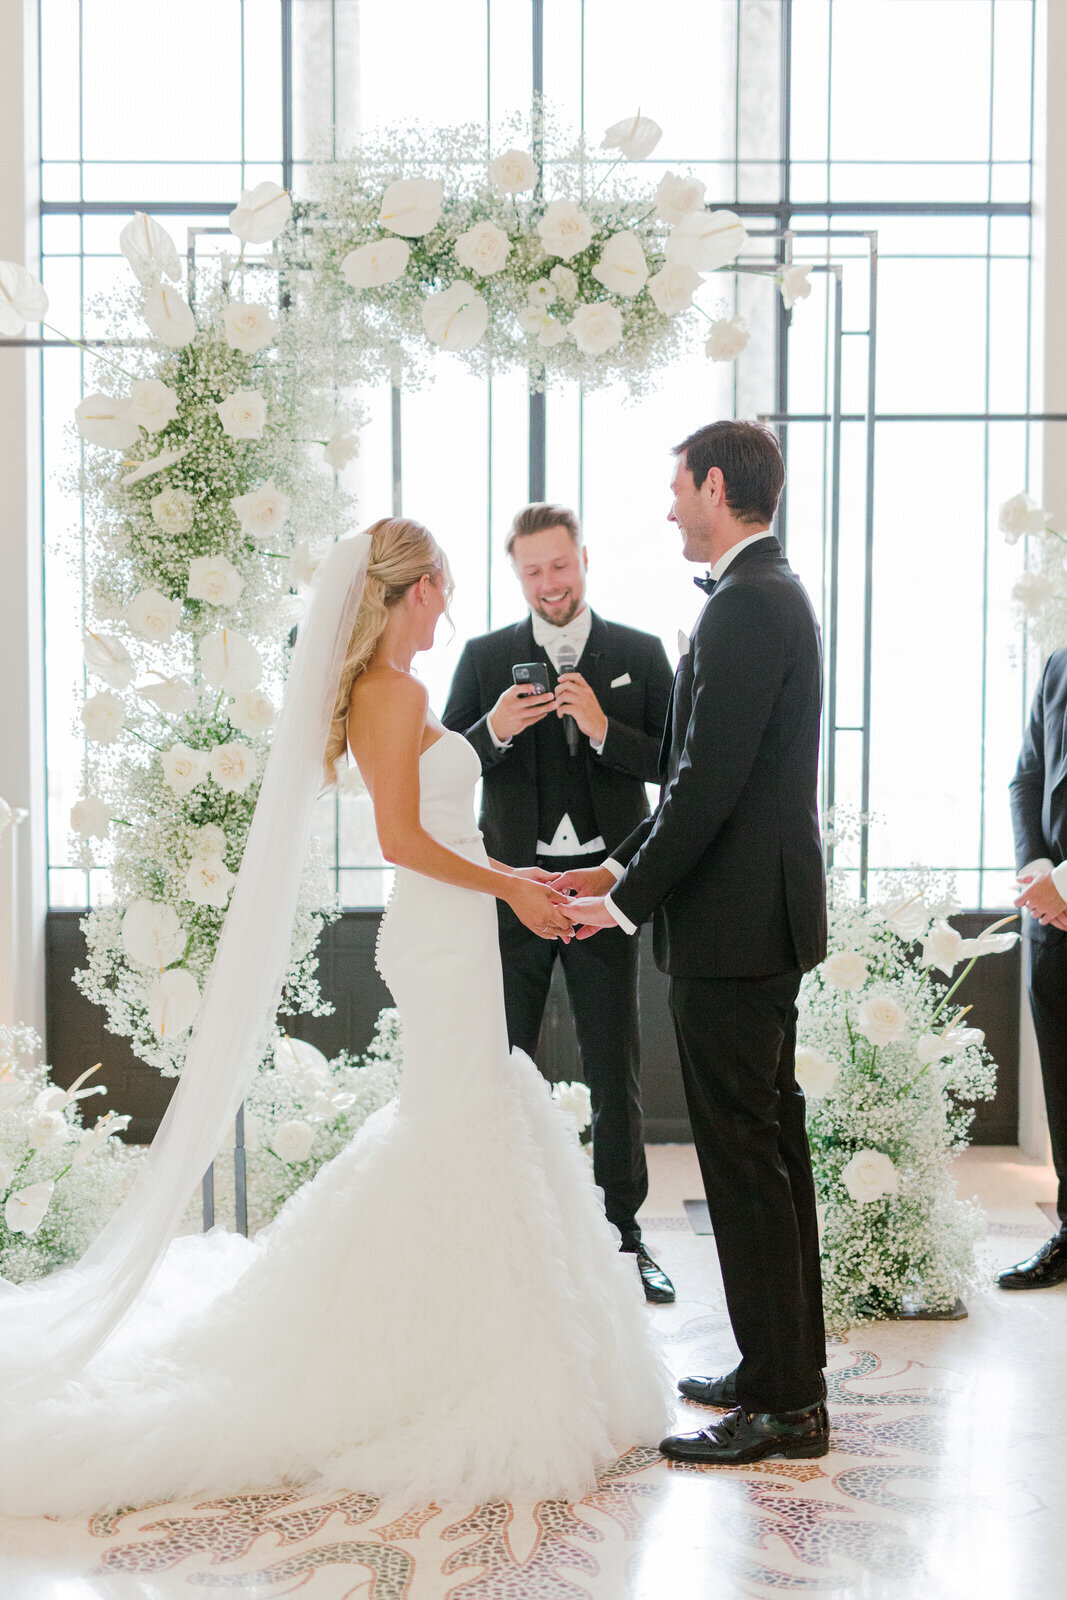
(387, 692)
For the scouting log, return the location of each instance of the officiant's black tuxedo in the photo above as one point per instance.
(526, 790)
(731, 870)
(1039, 820)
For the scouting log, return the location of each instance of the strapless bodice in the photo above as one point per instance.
(449, 770)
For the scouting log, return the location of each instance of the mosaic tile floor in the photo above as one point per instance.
(946, 1480)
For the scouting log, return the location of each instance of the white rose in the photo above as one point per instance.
(869, 1175)
(483, 249)
(104, 422)
(145, 469)
(1032, 591)
(340, 450)
(382, 261)
(49, 1130)
(706, 240)
(229, 661)
(1020, 515)
(412, 206)
(564, 229)
(22, 299)
(541, 294)
(208, 882)
(24, 1210)
(208, 841)
(634, 137)
(108, 658)
(677, 197)
(150, 615)
(215, 579)
(942, 948)
(152, 935)
(173, 696)
(169, 317)
(233, 766)
(261, 214)
(566, 281)
(248, 326)
(575, 1101)
(173, 1001)
(547, 330)
(845, 969)
(251, 712)
(91, 817)
(622, 267)
(795, 284)
(243, 414)
(289, 611)
(173, 510)
(304, 562)
(672, 287)
(908, 918)
(350, 781)
(513, 173)
(456, 318)
(727, 339)
(183, 768)
(292, 1141)
(152, 404)
(103, 717)
(881, 1019)
(262, 511)
(150, 250)
(815, 1074)
(596, 328)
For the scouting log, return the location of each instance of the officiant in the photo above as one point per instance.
(567, 743)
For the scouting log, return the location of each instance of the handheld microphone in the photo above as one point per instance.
(568, 660)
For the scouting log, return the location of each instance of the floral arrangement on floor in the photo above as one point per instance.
(1040, 593)
(887, 1065)
(59, 1181)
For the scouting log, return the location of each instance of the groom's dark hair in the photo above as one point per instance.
(748, 456)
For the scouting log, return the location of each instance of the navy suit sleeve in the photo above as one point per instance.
(1027, 788)
(468, 714)
(635, 751)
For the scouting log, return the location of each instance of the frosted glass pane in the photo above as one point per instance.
(931, 336)
(441, 82)
(60, 90)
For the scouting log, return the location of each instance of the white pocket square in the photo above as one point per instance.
(683, 643)
(620, 683)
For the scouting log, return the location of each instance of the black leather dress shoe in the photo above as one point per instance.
(722, 1392)
(742, 1436)
(1040, 1271)
(659, 1290)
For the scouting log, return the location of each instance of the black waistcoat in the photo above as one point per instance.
(562, 781)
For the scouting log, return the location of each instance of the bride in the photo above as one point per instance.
(442, 1312)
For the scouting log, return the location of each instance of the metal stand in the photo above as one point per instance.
(240, 1182)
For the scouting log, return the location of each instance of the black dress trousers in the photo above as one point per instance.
(1048, 1007)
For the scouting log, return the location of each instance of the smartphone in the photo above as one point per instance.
(532, 675)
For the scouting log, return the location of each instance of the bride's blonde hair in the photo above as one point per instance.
(401, 553)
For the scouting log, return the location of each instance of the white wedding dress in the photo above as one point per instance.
(442, 1313)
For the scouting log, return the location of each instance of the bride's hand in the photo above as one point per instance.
(534, 874)
(539, 908)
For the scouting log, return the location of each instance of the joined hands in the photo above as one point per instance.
(1043, 901)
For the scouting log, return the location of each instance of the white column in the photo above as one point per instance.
(22, 851)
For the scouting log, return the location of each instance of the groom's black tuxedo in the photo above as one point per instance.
(731, 868)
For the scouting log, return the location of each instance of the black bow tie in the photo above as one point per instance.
(707, 584)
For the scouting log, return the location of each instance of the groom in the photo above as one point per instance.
(731, 869)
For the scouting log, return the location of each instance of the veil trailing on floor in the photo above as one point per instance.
(51, 1328)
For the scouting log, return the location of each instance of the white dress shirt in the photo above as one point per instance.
(1037, 869)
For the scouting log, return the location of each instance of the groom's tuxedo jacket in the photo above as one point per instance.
(731, 864)
(1039, 787)
(628, 672)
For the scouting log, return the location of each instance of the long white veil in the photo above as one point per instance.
(50, 1329)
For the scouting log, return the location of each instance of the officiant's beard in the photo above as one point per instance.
(564, 610)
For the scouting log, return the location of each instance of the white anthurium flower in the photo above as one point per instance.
(380, 262)
(261, 214)
(514, 172)
(412, 206)
(869, 1175)
(909, 918)
(150, 615)
(169, 317)
(108, 658)
(727, 339)
(455, 318)
(173, 510)
(173, 1001)
(304, 562)
(248, 326)
(292, 1141)
(672, 287)
(262, 511)
(483, 249)
(150, 250)
(145, 469)
(543, 293)
(331, 1101)
(845, 969)
(634, 137)
(942, 948)
(152, 935)
(795, 284)
(233, 766)
(208, 842)
(815, 1074)
(49, 1130)
(229, 661)
(706, 240)
(622, 267)
(989, 942)
(881, 1019)
(597, 328)
(243, 414)
(24, 1210)
(252, 712)
(152, 404)
(214, 579)
(1032, 591)
(58, 1099)
(93, 1139)
(173, 696)
(340, 450)
(183, 768)
(575, 1101)
(103, 717)
(22, 299)
(1020, 516)
(103, 421)
(677, 198)
(297, 1057)
(91, 817)
(564, 229)
(566, 282)
(208, 882)
(51, 1099)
